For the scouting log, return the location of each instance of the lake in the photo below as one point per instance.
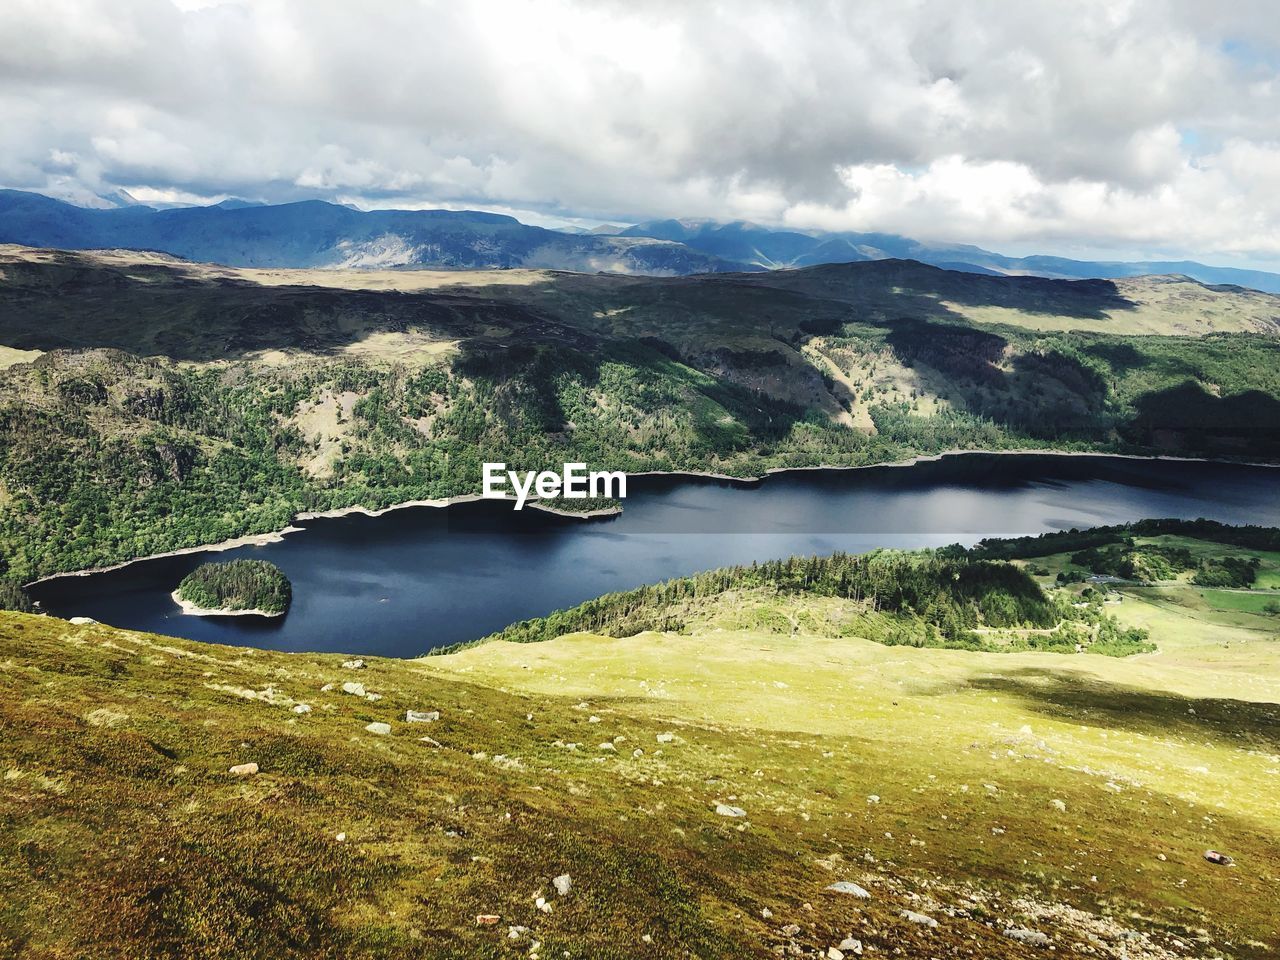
(413, 579)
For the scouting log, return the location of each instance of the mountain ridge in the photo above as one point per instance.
(317, 233)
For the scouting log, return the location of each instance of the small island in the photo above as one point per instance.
(238, 588)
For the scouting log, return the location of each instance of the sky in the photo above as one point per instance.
(1141, 129)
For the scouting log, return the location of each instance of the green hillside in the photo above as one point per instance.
(701, 786)
(150, 404)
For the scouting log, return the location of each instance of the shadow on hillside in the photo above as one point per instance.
(875, 286)
(1192, 417)
(195, 312)
(730, 326)
(68, 301)
(1098, 703)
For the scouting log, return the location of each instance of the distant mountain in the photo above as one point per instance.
(313, 233)
(759, 246)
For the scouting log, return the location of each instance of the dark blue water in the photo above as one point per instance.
(418, 578)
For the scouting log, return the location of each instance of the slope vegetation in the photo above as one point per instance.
(151, 404)
(696, 790)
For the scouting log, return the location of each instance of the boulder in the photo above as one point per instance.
(353, 688)
(302, 708)
(846, 886)
(727, 811)
(382, 729)
(81, 621)
(920, 918)
(563, 884)
(850, 945)
(1032, 938)
(1221, 859)
(421, 716)
(244, 769)
(353, 664)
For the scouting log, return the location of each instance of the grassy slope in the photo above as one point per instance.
(125, 835)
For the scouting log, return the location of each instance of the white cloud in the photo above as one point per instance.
(1147, 126)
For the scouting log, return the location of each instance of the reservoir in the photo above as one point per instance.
(413, 579)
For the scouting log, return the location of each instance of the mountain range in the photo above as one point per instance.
(314, 233)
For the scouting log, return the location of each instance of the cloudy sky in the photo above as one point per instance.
(1147, 128)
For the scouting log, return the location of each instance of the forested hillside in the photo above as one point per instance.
(150, 404)
(922, 599)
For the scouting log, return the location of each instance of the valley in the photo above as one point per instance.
(151, 405)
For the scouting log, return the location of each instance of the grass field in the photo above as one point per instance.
(1245, 601)
(1071, 796)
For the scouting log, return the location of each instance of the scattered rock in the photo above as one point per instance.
(515, 933)
(874, 798)
(608, 746)
(340, 837)
(353, 664)
(353, 688)
(835, 953)
(766, 913)
(666, 737)
(421, 716)
(326, 688)
(1058, 805)
(850, 945)
(81, 621)
(244, 769)
(1213, 856)
(1032, 938)
(920, 918)
(302, 708)
(727, 811)
(846, 886)
(541, 904)
(562, 883)
(378, 727)
(593, 719)
(487, 919)
(791, 930)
